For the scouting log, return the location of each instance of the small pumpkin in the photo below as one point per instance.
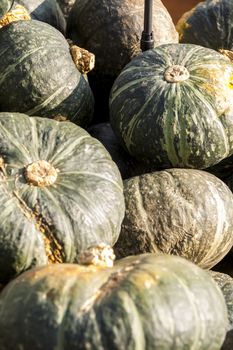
(38, 75)
(143, 302)
(128, 166)
(208, 24)
(172, 106)
(47, 11)
(60, 192)
(184, 212)
(5, 6)
(112, 31)
(225, 282)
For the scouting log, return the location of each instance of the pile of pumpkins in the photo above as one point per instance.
(109, 152)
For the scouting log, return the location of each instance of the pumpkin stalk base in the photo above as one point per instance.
(18, 13)
(40, 173)
(176, 74)
(101, 255)
(83, 59)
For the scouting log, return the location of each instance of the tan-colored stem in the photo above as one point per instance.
(176, 74)
(18, 13)
(83, 59)
(40, 173)
(100, 255)
(227, 53)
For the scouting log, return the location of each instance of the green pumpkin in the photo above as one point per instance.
(225, 282)
(128, 166)
(184, 212)
(60, 192)
(5, 6)
(47, 11)
(209, 24)
(144, 302)
(38, 75)
(173, 106)
(112, 31)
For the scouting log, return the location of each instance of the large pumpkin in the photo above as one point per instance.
(127, 165)
(143, 302)
(184, 212)
(173, 106)
(47, 11)
(208, 24)
(38, 75)
(60, 192)
(112, 31)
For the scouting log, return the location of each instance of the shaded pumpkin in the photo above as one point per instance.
(47, 11)
(225, 282)
(184, 212)
(173, 106)
(60, 192)
(5, 6)
(38, 75)
(143, 302)
(112, 31)
(208, 24)
(128, 166)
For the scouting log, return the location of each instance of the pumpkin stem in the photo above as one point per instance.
(40, 173)
(83, 59)
(227, 53)
(18, 13)
(100, 255)
(176, 74)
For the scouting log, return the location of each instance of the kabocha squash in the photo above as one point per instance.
(184, 212)
(173, 106)
(47, 11)
(144, 302)
(128, 166)
(5, 6)
(112, 31)
(60, 192)
(225, 282)
(208, 24)
(38, 75)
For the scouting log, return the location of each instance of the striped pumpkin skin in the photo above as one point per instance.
(5, 6)
(47, 11)
(144, 302)
(185, 124)
(38, 75)
(52, 224)
(184, 212)
(208, 24)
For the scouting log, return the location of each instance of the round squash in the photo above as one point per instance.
(208, 24)
(38, 75)
(225, 282)
(112, 31)
(60, 192)
(173, 106)
(5, 6)
(184, 212)
(47, 11)
(128, 166)
(143, 302)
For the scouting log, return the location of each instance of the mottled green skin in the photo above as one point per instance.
(142, 303)
(84, 207)
(47, 11)
(38, 75)
(209, 24)
(225, 282)
(128, 166)
(112, 31)
(184, 212)
(5, 6)
(186, 124)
